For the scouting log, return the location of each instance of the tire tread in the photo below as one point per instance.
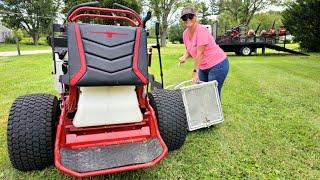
(31, 131)
(170, 112)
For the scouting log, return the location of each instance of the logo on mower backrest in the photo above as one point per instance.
(109, 34)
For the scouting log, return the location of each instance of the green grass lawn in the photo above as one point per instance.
(23, 47)
(271, 128)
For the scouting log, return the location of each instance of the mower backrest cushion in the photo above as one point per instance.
(104, 55)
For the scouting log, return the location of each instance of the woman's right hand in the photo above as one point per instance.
(182, 59)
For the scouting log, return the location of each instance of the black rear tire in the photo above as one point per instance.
(31, 131)
(169, 108)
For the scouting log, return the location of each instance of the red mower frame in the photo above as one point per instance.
(71, 137)
(41, 131)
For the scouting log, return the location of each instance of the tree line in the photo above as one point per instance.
(35, 17)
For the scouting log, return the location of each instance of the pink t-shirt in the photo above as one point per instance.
(212, 54)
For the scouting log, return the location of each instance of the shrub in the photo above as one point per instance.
(176, 33)
(19, 34)
(301, 18)
(9, 40)
(29, 41)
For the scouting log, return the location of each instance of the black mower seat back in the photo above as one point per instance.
(104, 55)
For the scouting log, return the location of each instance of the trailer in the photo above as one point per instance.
(246, 45)
(243, 44)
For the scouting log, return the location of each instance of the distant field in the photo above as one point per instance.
(271, 128)
(23, 47)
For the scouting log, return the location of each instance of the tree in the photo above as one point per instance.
(202, 10)
(33, 16)
(301, 18)
(214, 7)
(203, 13)
(266, 19)
(162, 9)
(175, 32)
(225, 22)
(243, 10)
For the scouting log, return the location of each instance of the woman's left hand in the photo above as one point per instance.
(195, 77)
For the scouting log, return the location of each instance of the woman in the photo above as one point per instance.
(210, 62)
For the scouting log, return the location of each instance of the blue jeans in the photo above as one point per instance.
(218, 72)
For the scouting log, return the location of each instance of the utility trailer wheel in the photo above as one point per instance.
(172, 121)
(246, 51)
(31, 131)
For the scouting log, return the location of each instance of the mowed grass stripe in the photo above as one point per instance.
(24, 74)
(289, 90)
(20, 75)
(270, 131)
(273, 126)
(307, 72)
(254, 90)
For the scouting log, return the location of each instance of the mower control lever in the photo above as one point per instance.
(157, 26)
(157, 29)
(95, 3)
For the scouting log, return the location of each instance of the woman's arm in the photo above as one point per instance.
(198, 58)
(184, 57)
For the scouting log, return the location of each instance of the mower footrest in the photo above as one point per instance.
(110, 156)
